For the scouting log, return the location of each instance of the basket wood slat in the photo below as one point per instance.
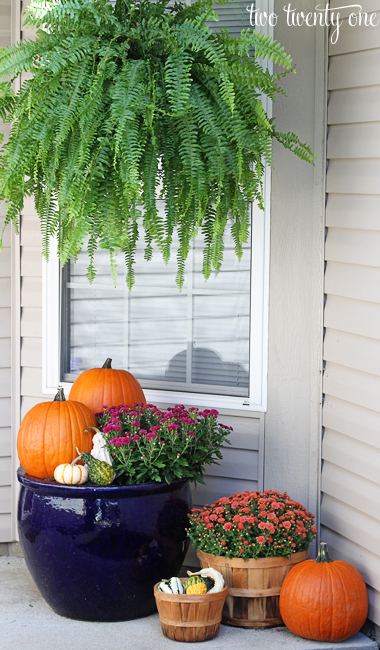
(253, 587)
(190, 617)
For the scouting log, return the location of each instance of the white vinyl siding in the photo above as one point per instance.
(5, 336)
(350, 511)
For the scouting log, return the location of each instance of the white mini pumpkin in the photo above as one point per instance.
(71, 474)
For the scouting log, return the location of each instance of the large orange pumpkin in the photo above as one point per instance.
(105, 386)
(50, 433)
(324, 599)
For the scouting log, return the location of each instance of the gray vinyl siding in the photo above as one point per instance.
(350, 510)
(5, 336)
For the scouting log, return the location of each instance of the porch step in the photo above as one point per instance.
(26, 621)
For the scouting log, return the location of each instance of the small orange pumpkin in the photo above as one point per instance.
(105, 386)
(324, 599)
(50, 433)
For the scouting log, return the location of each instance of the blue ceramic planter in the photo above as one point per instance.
(96, 552)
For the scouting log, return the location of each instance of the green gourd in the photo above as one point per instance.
(99, 472)
(209, 583)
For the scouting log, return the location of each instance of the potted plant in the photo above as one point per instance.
(253, 539)
(127, 99)
(96, 551)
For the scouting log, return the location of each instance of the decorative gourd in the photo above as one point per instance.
(209, 574)
(49, 434)
(105, 386)
(99, 472)
(70, 474)
(99, 449)
(172, 586)
(196, 585)
(165, 587)
(324, 599)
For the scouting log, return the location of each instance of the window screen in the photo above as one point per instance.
(195, 341)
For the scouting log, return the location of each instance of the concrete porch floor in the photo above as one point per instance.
(27, 622)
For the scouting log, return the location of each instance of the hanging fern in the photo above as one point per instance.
(128, 102)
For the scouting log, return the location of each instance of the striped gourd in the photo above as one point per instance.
(71, 474)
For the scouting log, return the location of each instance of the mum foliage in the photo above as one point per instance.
(147, 444)
(129, 101)
(252, 525)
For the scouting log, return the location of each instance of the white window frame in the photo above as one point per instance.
(257, 400)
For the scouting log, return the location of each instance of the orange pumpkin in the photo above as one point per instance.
(50, 433)
(105, 386)
(324, 599)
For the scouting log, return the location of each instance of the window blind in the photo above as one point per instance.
(194, 341)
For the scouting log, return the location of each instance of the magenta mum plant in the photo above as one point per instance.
(252, 525)
(149, 445)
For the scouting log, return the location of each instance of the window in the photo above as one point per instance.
(205, 346)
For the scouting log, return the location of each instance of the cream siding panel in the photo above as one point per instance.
(370, 6)
(31, 382)
(354, 70)
(351, 523)
(5, 410)
(353, 281)
(31, 322)
(352, 420)
(31, 292)
(5, 353)
(5, 381)
(352, 351)
(355, 316)
(30, 228)
(5, 322)
(31, 261)
(5, 441)
(5, 527)
(7, 231)
(5, 499)
(361, 211)
(353, 246)
(5, 292)
(31, 352)
(353, 386)
(354, 140)
(349, 488)
(354, 176)
(5, 262)
(350, 482)
(354, 105)
(354, 456)
(356, 38)
(5, 471)
(373, 605)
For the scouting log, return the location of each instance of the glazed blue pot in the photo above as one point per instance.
(96, 552)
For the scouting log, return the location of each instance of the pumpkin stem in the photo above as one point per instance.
(323, 554)
(60, 396)
(79, 457)
(93, 428)
(107, 363)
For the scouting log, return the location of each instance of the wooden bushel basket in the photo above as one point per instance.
(190, 617)
(253, 587)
